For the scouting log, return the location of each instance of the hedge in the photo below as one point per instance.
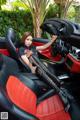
(20, 21)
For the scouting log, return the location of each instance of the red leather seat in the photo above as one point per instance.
(23, 97)
(52, 109)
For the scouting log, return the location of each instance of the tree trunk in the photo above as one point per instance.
(38, 30)
(37, 24)
(61, 10)
(64, 12)
(38, 10)
(0, 7)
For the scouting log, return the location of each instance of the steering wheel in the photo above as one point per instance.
(59, 48)
(11, 46)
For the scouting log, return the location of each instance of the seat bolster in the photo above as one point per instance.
(23, 115)
(52, 109)
(28, 82)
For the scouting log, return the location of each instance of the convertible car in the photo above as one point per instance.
(53, 92)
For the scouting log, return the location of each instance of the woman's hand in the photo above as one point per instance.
(29, 53)
(54, 37)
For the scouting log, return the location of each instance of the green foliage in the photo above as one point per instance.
(53, 11)
(18, 4)
(2, 2)
(77, 13)
(20, 21)
(71, 13)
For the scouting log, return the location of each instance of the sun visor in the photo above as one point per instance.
(65, 29)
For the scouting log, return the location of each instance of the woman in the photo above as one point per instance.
(26, 52)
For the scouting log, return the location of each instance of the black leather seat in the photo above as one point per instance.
(19, 95)
(11, 43)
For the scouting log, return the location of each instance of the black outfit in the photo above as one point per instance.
(22, 50)
(32, 48)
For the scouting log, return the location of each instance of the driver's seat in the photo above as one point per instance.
(11, 46)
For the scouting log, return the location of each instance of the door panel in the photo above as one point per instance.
(40, 40)
(45, 54)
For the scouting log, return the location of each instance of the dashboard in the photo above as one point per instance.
(70, 54)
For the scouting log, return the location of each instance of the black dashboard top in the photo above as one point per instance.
(66, 30)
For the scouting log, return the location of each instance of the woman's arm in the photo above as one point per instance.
(54, 37)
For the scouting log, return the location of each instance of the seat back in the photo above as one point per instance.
(18, 92)
(11, 46)
(7, 66)
(24, 98)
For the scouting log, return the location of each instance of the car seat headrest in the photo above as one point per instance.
(11, 43)
(11, 34)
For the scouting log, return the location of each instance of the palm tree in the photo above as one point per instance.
(38, 9)
(63, 7)
(2, 2)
